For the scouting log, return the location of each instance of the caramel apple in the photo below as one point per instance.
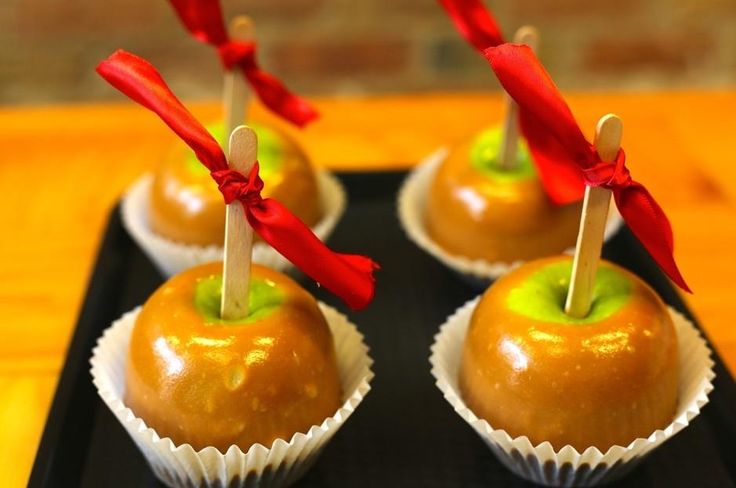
(479, 210)
(606, 379)
(186, 207)
(208, 382)
(228, 356)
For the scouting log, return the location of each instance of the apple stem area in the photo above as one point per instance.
(593, 223)
(235, 92)
(243, 149)
(508, 151)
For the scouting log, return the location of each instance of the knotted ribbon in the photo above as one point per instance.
(204, 20)
(348, 276)
(476, 24)
(548, 122)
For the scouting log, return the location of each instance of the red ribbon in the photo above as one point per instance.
(549, 124)
(204, 20)
(476, 24)
(348, 276)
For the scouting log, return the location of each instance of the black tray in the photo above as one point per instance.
(404, 433)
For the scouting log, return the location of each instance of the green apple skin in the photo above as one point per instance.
(542, 295)
(264, 297)
(483, 155)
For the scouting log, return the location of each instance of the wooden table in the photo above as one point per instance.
(63, 168)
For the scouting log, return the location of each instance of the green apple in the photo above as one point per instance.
(484, 151)
(602, 380)
(542, 295)
(208, 382)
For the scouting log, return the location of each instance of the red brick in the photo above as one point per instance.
(340, 57)
(544, 9)
(390, 8)
(274, 9)
(669, 53)
(50, 18)
(454, 55)
(50, 47)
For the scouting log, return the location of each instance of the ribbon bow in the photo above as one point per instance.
(475, 23)
(609, 175)
(548, 121)
(235, 186)
(204, 20)
(348, 276)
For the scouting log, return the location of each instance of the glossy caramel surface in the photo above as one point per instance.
(187, 207)
(209, 383)
(599, 382)
(480, 215)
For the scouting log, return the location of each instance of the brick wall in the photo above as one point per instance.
(48, 48)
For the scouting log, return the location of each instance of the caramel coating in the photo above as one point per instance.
(596, 384)
(219, 384)
(187, 207)
(479, 216)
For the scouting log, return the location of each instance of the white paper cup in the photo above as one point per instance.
(279, 464)
(171, 257)
(412, 205)
(568, 467)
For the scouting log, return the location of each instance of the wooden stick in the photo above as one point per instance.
(508, 150)
(593, 223)
(238, 233)
(235, 93)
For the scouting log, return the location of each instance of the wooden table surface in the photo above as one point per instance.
(63, 168)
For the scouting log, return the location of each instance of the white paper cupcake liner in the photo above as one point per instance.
(261, 466)
(568, 467)
(412, 204)
(171, 257)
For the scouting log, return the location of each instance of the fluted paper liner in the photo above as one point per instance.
(412, 204)
(568, 467)
(279, 464)
(172, 257)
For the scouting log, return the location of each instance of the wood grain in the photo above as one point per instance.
(508, 150)
(677, 143)
(236, 93)
(238, 232)
(593, 218)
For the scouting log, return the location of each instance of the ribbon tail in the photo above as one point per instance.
(139, 80)
(348, 276)
(562, 180)
(203, 19)
(650, 225)
(278, 98)
(558, 147)
(474, 22)
(557, 142)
